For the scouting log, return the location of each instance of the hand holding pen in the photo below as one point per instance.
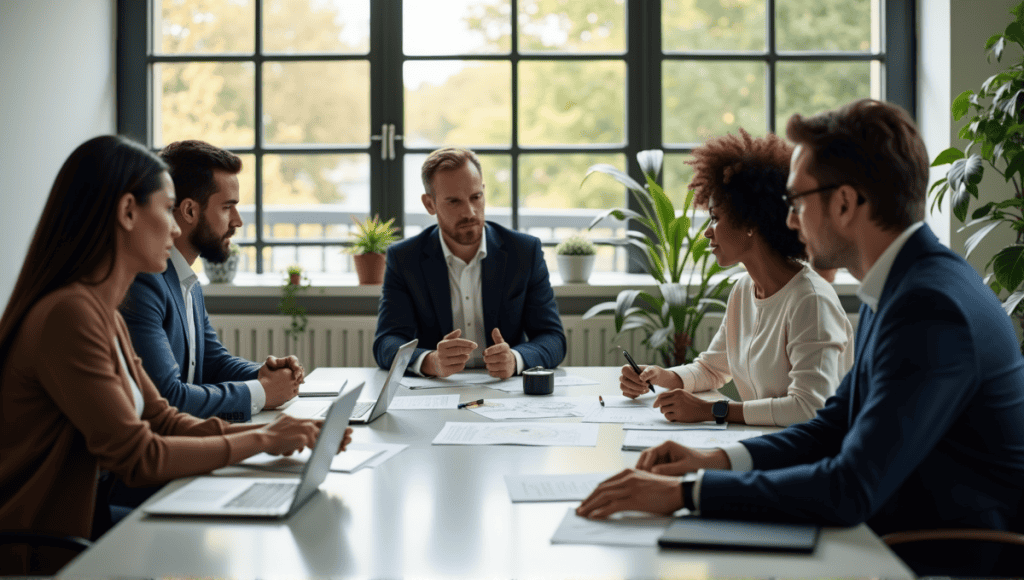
(633, 386)
(634, 382)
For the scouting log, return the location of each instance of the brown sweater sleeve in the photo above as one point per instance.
(80, 370)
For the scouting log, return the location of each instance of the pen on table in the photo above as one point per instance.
(468, 403)
(636, 369)
(601, 400)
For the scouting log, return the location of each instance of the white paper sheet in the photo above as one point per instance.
(568, 487)
(457, 380)
(321, 387)
(545, 434)
(515, 384)
(345, 462)
(638, 440)
(534, 407)
(663, 424)
(623, 529)
(424, 402)
(607, 414)
(335, 374)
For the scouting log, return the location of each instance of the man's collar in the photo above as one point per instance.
(481, 252)
(185, 274)
(870, 290)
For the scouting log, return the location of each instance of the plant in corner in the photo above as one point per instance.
(576, 255)
(289, 304)
(368, 246)
(669, 319)
(996, 137)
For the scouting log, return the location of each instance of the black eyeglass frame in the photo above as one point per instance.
(790, 198)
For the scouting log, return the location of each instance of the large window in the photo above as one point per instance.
(334, 104)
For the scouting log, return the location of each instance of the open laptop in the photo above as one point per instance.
(366, 411)
(263, 497)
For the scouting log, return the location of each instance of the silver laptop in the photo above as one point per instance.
(263, 497)
(368, 410)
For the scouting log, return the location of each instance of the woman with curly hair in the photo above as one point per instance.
(785, 339)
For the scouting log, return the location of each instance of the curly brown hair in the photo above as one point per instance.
(746, 177)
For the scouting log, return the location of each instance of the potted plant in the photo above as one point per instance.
(996, 138)
(576, 256)
(289, 304)
(670, 318)
(368, 247)
(224, 272)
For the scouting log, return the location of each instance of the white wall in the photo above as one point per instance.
(951, 59)
(57, 89)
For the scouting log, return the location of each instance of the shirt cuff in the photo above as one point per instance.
(696, 492)
(519, 361)
(258, 397)
(419, 363)
(739, 457)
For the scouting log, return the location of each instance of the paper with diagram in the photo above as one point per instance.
(534, 407)
(510, 433)
(562, 487)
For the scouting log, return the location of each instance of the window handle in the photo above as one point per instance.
(391, 141)
(384, 137)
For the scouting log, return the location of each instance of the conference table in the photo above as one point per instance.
(434, 511)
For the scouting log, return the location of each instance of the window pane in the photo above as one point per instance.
(293, 26)
(328, 258)
(812, 87)
(572, 103)
(556, 203)
(456, 27)
(317, 102)
(595, 26)
(247, 201)
(204, 100)
(706, 99)
(311, 197)
(712, 25)
(676, 176)
(827, 25)
(204, 26)
(463, 103)
(497, 174)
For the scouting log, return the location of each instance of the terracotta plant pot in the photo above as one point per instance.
(369, 268)
(294, 279)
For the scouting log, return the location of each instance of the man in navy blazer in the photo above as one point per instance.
(477, 290)
(166, 314)
(927, 429)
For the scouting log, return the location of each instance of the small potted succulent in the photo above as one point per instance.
(576, 256)
(294, 274)
(368, 247)
(223, 272)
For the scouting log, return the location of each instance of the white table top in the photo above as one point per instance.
(444, 511)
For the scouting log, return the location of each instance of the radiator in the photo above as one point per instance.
(347, 341)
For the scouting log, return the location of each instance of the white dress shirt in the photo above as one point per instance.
(136, 393)
(465, 286)
(188, 279)
(869, 292)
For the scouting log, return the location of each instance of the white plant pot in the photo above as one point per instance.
(576, 269)
(222, 273)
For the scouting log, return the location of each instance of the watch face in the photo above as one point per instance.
(720, 409)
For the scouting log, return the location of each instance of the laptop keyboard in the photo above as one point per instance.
(360, 409)
(265, 495)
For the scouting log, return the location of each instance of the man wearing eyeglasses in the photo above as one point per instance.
(926, 431)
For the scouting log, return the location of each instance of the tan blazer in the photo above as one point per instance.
(66, 410)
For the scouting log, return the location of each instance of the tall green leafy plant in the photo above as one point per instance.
(671, 249)
(994, 132)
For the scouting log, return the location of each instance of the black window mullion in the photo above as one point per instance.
(515, 152)
(769, 79)
(258, 135)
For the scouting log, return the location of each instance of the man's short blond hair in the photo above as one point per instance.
(445, 159)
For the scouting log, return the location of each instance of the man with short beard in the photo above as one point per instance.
(474, 293)
(166, 314)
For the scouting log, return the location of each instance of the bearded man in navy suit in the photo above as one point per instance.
(927, 429)
(478, 291)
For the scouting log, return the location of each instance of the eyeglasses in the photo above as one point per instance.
(789, 198)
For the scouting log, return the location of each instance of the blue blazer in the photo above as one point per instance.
(517, 297)
(155, 313)
(926, 430)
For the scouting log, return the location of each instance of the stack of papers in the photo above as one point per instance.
(622, 529)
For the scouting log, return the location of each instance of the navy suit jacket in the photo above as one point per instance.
(926, 430)
(517, 297)
(155, 313)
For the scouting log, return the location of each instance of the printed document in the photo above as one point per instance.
(569, 487)
(544, 434)
(534, 407)
(622, 529)
(424, 402)
(638, 440)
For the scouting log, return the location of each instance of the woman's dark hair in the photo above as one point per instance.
(746, 177)
(77, 233)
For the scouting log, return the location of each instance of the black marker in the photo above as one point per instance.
(636, 369)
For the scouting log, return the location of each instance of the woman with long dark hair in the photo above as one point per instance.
(74, 398)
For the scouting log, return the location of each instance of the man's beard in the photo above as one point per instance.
(212, 248)
(465, 237)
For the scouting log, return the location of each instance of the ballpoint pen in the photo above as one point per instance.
(636, 369)
(600, 399)
(468, 403)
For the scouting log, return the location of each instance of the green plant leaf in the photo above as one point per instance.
(960, 105)
(959, 201)
(650, 161)
(981, 211)
(616, 174)
(976, 238)
(1015, 32)
(1010, 304)
(1008, 266)
(948, 156)
(620, 214)
(598, 309)
(995, 46)
(964, 171)
(1016, 165)
(1008, 107)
